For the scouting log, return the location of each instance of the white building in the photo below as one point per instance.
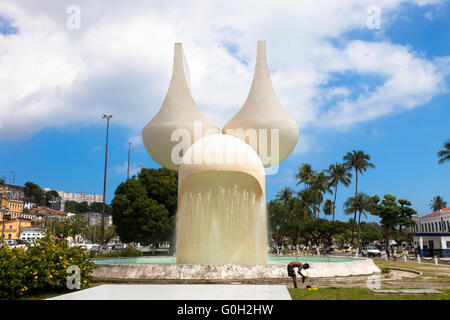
(32, 234)
(432, 233)
(78, 197)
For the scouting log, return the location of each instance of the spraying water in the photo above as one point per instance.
(221, 219)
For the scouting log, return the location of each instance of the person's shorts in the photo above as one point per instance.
(291, 272)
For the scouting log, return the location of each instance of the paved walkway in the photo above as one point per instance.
(179, 292)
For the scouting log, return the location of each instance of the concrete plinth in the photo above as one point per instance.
(231, 271)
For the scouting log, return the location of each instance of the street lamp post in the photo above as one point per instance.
(107, 117)
(128, 169)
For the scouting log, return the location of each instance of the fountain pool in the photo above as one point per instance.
(271, 260)
(167, 268)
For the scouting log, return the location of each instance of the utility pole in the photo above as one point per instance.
(107, 117)
(128, 169)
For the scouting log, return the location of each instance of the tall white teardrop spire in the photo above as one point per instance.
(263, 113)
(178, 112)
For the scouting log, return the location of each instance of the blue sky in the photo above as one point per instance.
(58, 82)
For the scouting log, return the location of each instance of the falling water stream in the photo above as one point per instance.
(221, 219)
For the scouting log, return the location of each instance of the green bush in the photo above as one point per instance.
(385, 270)
(40, 268)
(127, 252)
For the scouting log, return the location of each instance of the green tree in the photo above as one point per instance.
(96, 207)
(305, 172)
(71, 206)
(359, 161)
(392, 214)
(444, 154)
(82, 207)
(406, 214)
(33, 191)
(438, 203)
(338, 174)
(361, 203)
(371, 231)
(137, 217)
(51, 196)
(320, 185)
(328, 208)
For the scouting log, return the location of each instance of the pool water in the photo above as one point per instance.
(270, 260)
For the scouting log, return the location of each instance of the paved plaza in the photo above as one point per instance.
(179, 292)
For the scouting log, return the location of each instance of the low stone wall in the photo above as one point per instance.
(231, 272)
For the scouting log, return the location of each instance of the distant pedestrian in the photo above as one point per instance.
(387, 253)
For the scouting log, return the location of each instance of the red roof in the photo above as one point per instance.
(436, 213)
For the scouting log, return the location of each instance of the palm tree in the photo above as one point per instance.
(438, 203)
(444, 154)
(319, 184)
(361, 203)
(338, 173)
(328, 207)
(359, 161)
(305, 172)
(306, 199)
(285, 195)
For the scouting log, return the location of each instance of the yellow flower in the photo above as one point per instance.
(60, 257)
(35, 277)
(50, 276)
(84, 281)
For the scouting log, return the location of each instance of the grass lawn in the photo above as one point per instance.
(436, 277)
(360, 294)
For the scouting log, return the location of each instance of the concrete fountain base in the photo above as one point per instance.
(231, 271)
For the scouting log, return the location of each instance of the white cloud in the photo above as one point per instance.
(119, 62)
(122, 169)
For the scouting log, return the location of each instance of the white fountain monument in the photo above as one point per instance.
(221, 217)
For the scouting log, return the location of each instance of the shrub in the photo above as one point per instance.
(385, 270)
(40, 268)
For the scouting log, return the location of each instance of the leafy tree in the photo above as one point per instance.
(2, 181)
(82, 207)
(361, 203)
(51, 195)
(392, 214)
(406, 214)
(319, 183)
(438, 203)
(328, 208)
(33, 191)
(359, 161)
(305, 172)
(338, 174)
(96, 207)
(162, 186)
(318, 231)
(93, 233)
(444, 154)
(68, 227)
(139, 218)
(71, 206)
(371, 231)
(285, 195)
